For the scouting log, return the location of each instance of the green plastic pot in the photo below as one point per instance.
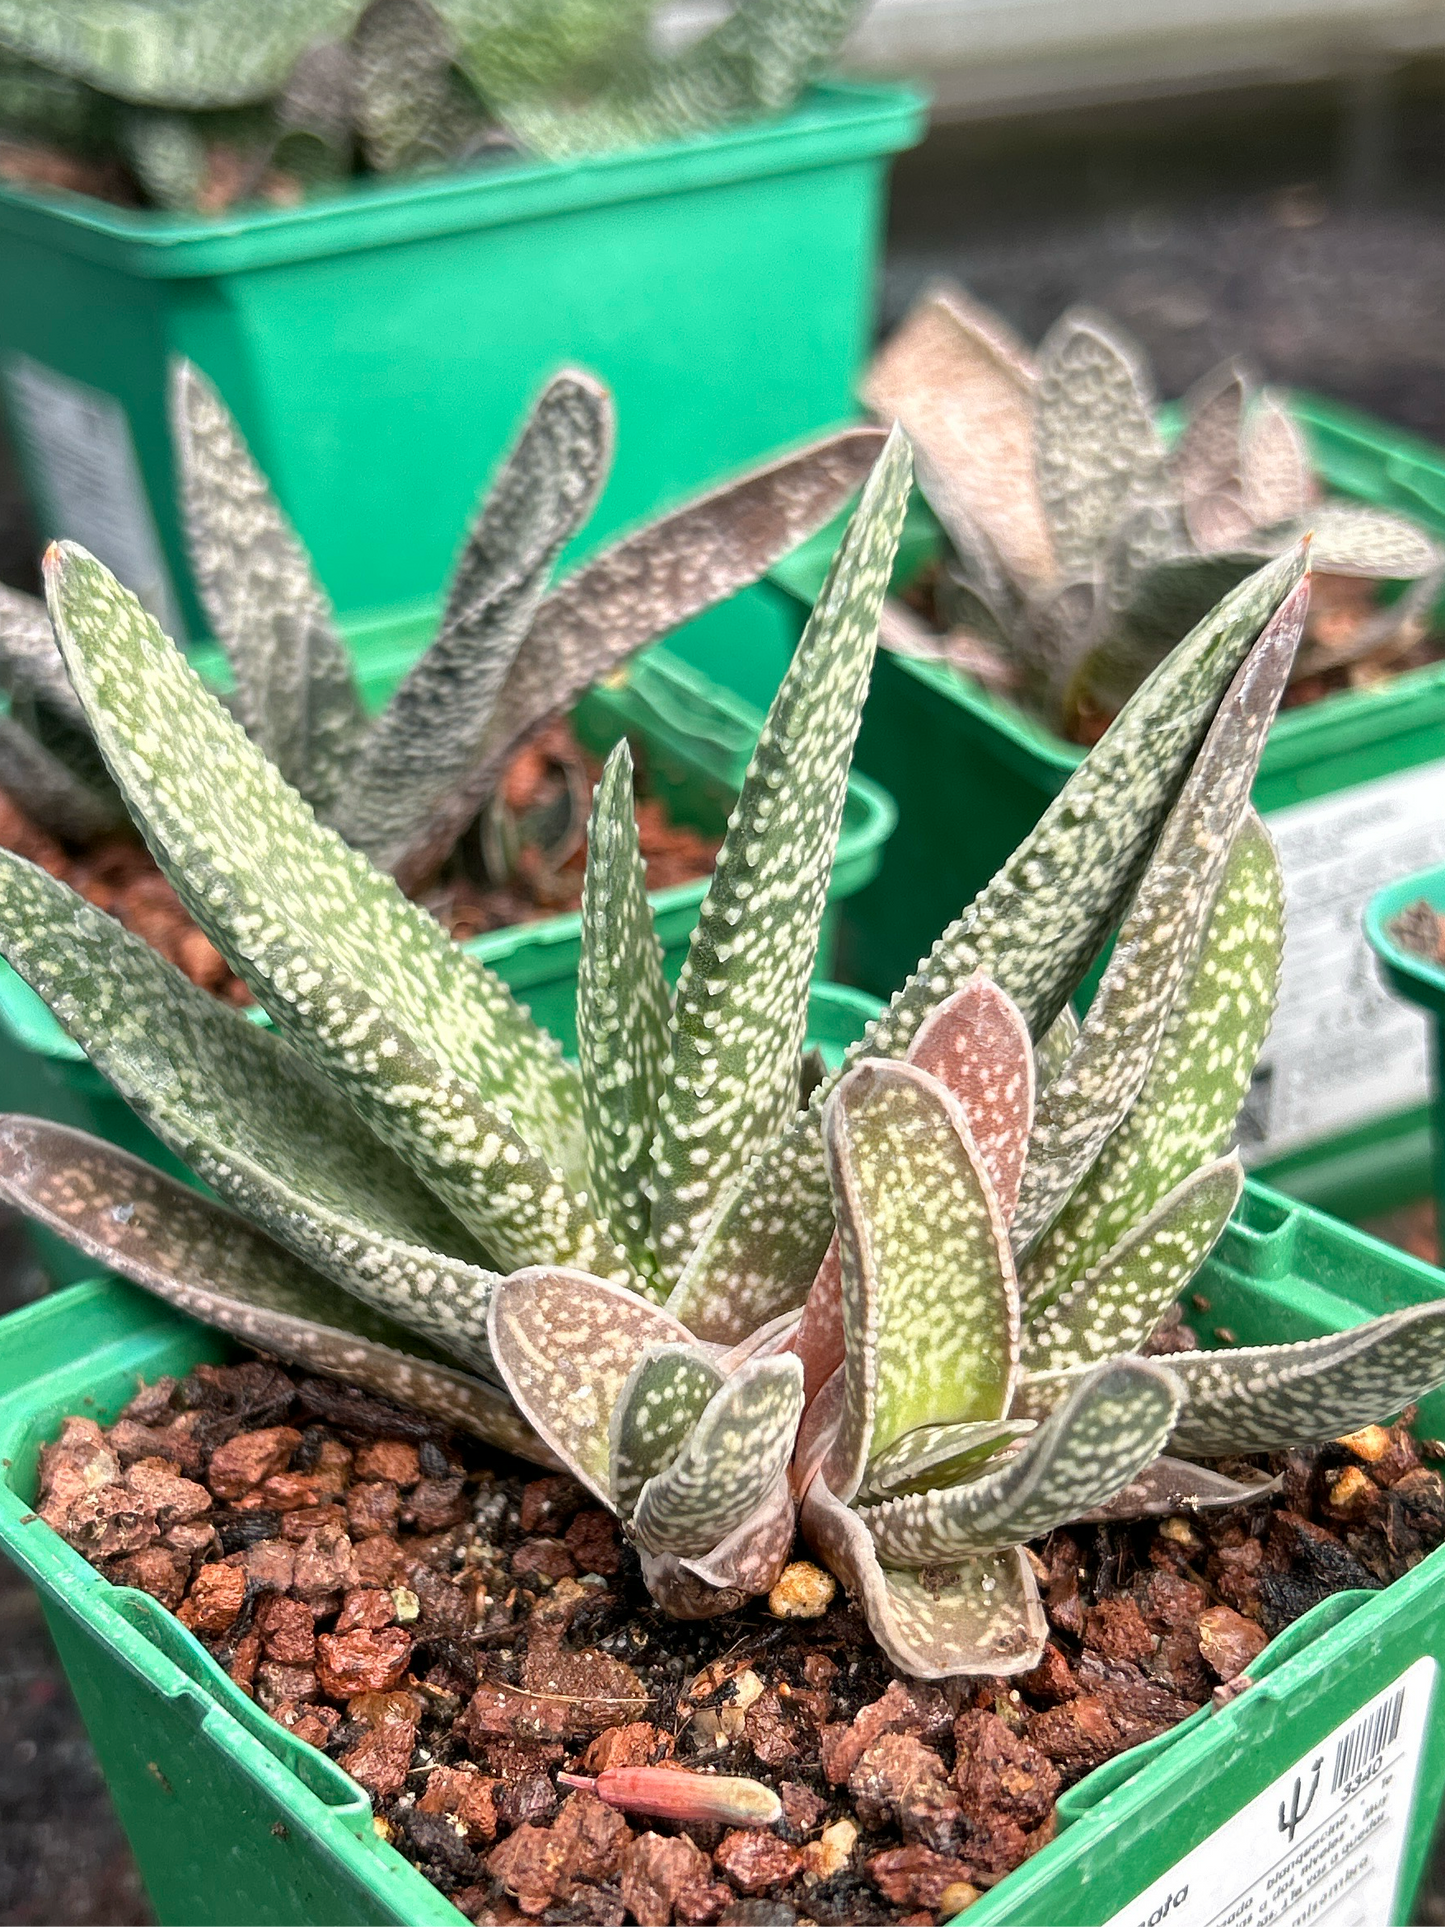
(378, 346)
(233, 1820)
(1354, 787)
(694, 741)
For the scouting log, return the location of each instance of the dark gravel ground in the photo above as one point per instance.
(1302, 230)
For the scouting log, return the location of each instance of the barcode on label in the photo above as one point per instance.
(1368, 1740)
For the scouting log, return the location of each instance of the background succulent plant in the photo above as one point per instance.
(209, 105)
(1081, 546)
(511, 651)
(511, 1225)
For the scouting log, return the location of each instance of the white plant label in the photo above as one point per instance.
(80, 452)
(1342, 1051)
(1323, 1844)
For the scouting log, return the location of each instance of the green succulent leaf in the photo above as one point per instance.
(937, 1455)
(50, 793)
(443, 1070)
(976, 1615)
(1095, 443)
(757, 61)
(1035, 928)
(742, 999)
(1349, 538)
(1162, 936)
(248, 1115)
(930, 1305)
(295, 693)
(728, 1464)
(1054, 1048)
(1113, 1422)
(1185, 1111)
(204, 1261)
(173, 53)
(1275, 473)
(623, 1007)
(665, 1395)
(566, 1345)
(30, 666)
(1118, 1302)
(427, 741)
(1264, 1398)
(414, 112)
(751, 1558)
(639, 589)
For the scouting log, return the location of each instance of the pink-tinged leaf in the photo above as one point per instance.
(679, 1591)
(200, 1258)
(939, 1455)
(976, 1044)
(752, 1556)
(565, 1344)
(930, 1300)
(673, 1793)
(981, 1615)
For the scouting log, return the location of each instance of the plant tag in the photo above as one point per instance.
(1323, 1842)
(81, 456)
(1343, 1051)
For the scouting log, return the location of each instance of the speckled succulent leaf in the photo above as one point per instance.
(1185, 1113)
(1174, 1485)
(248, 1115)
(977, 1045)
(1053, 1049)
(664, 1396)
(1095, 443)
(729, 1462)
(1277, 480)
(315, 931)
(742, 998)
(1113, 1422)
(414, 112)
(566, 1345)
(756, 61)
(1118, 1302)
(1352, 539)
(295, 693)
(752, 1556)
(207, 1262)
(1036, 927)
(937, 1455)
(640, 588)
(427, 741)
(524, 48)
(51, 794)
(1162, 936)
(972, 590)
(623, 1007)
(1204, 464)
(174, 53)
(1164, 599)
(166, 152)
(978, 1615)
(1264, 1398)
(963, 386)
(930, 1303)
(30, 664)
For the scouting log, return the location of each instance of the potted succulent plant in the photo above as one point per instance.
(1076, 529)
(382, 226)
(422, 785)
(714, 1285)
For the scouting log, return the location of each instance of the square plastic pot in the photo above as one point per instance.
(379, 345)
(694, 741)
(234, 1820)
(1353, 787)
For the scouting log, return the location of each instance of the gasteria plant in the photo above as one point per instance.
(209, 105)
(605, 1266)
(1081, 547)
(510, 652)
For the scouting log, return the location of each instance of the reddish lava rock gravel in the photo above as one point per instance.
(455, 1632)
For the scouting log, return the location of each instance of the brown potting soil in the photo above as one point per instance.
(119, 875)
(456, 1631)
